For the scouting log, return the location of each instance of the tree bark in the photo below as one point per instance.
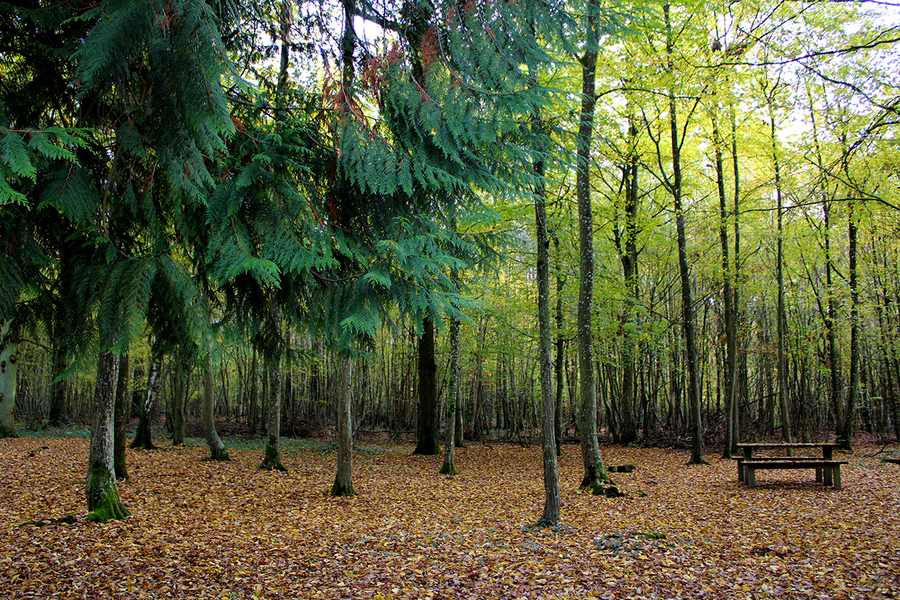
(121, 418)
(779, 276)
(449, 465)
(845, 434)
(428, 443)
(180, 380)
(594, 471)
(9, 369)
(560, 358)
(626, 243)
(213, 441)
(728, 298)
(343, 480)
(101, 491)
(59, 412)
(687, 301)
(272, 459)
(552, 500)
(143, 435)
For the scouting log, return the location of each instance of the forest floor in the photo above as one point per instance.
(226, 530)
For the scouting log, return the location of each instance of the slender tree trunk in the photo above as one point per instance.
(594, 472)
(628, 256)
(9, 369)
(559, 365)
(428, 426)
(101, 491)
(180, 380)
(143, 436)
(552, 500)
(272, 459)
(779, 276)
(845, 434)
(459, 433)
(213, 441)
(121, 414)
(735, 303)
(343, 480)
(449, 466)
(59, 412)
(687, 301)
(728, 300)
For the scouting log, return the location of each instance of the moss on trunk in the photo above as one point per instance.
(339, 490)
(103, 496)
(143, 438)
(429, 444)
(220, 455)
(595, 476)
(6, 432)
(447, 468)
(272, 460)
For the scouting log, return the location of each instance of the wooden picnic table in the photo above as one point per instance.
(827, 469)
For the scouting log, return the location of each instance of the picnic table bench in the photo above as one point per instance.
(828, 470)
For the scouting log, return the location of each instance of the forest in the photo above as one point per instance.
(539, 222)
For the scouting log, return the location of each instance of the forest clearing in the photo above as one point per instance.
(228, 530)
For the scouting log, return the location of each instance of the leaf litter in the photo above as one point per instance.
(228, 530)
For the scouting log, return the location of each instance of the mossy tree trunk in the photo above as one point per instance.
(343, 480)
(428, 443)
(449, 466)
(101, 490)
(143, 436)
(121, 416)
(216, 446)
(9, 369)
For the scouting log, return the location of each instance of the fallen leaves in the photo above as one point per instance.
(227, 530)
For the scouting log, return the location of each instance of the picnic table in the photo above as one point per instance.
(828, 470)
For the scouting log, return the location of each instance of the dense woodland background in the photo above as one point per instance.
(241, 197)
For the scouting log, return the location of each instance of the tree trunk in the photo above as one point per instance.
(594, 471)
(101, 490)
(343, 480)
(428, 426)
(143, 435)
(9, 369)
(845, 434)
(628, 256)
(734, 424)
(552, 500)
(180, 380)
(559, 365)
(213, 441)
(121, 414)
(687, 301)
(449, 466)
(779, 276)
(272, 460)
(59, 412)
